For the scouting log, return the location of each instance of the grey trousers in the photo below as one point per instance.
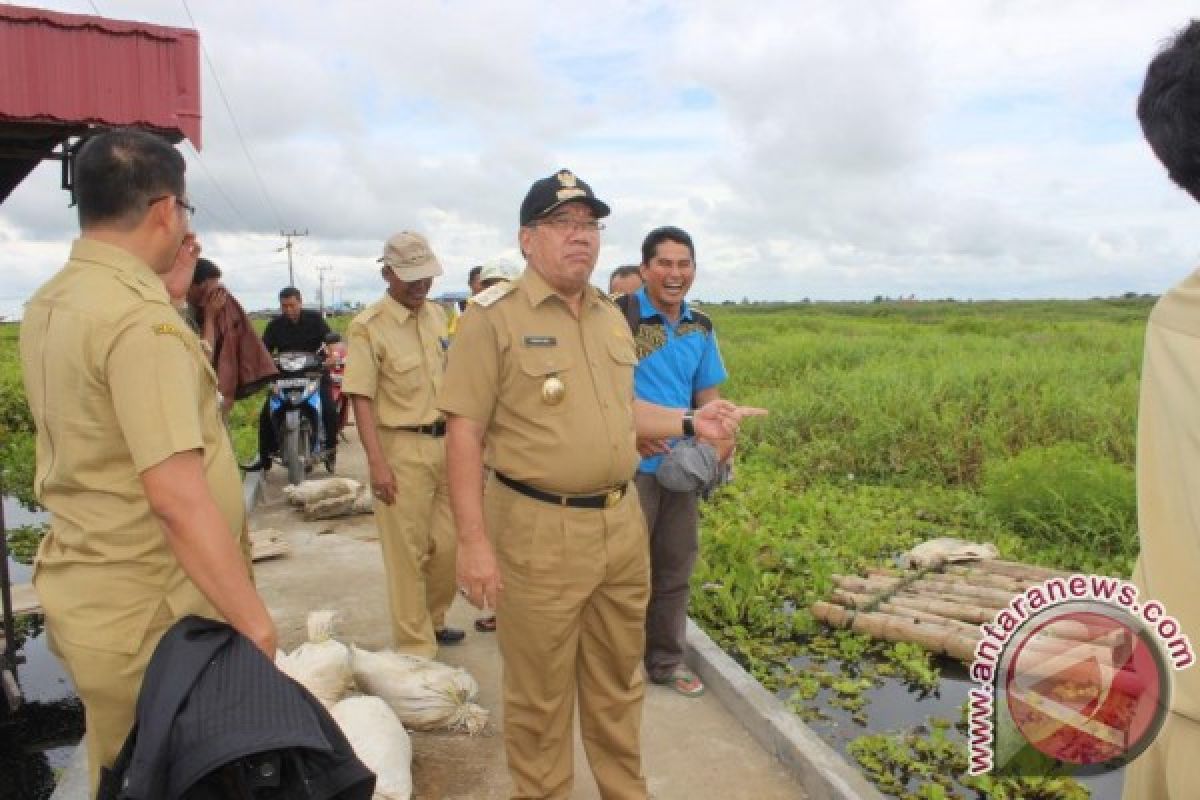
(671, 519)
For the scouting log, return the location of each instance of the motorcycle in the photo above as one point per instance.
(337, 374)
(295, 411)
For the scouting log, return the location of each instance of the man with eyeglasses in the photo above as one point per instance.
(542, 369)
(133, 460)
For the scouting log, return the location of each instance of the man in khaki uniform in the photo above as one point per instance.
(542, 368)
(133, 461)
(1168, 454)
(394, 368)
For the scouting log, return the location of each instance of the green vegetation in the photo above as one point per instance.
(1010, 423)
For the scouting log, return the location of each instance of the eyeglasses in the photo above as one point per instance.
(185, 205)
(565, 224)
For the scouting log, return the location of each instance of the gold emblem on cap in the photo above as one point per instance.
(553, 390)
(566, 179)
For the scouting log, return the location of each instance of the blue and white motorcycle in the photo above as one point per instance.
(295, 408)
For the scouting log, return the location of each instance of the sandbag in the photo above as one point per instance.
(426, 695)
(341, 505)
(365, 502)
(309, 492)
(380, 742)
(936, 552)
(322, 664)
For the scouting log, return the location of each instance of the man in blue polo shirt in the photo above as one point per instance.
(679, 365)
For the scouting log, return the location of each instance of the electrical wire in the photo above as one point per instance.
(241, 218)
(232, 118)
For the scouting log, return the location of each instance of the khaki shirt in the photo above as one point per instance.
(1168, 473)
(504, 353)
(397, 358)
(116, 383)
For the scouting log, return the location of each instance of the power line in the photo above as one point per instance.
(236, 128)
(216, 185)
(205, 211)
(93, 5)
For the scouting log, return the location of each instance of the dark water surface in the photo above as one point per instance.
(894, 707)
(42, 736)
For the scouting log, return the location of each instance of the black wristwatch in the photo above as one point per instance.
(689, 423)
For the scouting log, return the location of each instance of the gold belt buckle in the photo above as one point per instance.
(612, 498)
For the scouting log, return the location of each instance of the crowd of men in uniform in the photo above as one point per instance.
(136, 467)
(546, 464)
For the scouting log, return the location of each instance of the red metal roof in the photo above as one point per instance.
(71, 69)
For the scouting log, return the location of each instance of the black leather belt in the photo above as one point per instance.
(606, 500)
(435, 429)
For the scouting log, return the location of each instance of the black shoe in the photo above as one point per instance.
(450, 636)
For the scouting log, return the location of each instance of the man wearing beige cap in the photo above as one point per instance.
(394, 370)
(495, 271)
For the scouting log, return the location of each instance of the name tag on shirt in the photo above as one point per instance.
(541, 341)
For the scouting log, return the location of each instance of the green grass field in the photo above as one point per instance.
(890, 424)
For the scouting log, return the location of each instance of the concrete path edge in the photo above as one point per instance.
(823, 773)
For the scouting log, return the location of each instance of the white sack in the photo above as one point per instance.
(936, 552)
(425, 694)
(380, 742)
(314, 491)
(322, 664)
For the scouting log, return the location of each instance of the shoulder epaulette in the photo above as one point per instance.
(702, 319)
(493, 293)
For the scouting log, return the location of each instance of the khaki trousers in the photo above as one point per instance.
(108, 684)
(416, 533)
(1164, 770)
(570, 624)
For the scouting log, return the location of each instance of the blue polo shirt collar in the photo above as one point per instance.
(646, 308)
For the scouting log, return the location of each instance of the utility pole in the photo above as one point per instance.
(288, 246)
(321, 270)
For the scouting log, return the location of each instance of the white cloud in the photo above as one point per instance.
(821, 149)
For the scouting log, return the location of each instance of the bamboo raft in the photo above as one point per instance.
(941, 609)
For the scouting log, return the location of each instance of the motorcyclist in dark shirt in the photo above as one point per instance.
(295, 330)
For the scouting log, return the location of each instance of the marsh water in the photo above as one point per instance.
(39, 739)
(894, 707)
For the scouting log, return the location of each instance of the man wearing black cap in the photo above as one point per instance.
(543, 369)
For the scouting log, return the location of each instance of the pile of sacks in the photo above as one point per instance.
(396, 692)
(330, 497)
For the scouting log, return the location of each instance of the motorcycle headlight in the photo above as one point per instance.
(292, 362)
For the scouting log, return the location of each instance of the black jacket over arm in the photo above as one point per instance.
(216, 719)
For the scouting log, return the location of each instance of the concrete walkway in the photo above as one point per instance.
(694, 748)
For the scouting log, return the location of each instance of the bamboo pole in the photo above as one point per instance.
(965, 628)
(943, 608)
(993, 598)
(934, 638)
(939, 638)
(958, 607)
(981, 578)
(1016, 569)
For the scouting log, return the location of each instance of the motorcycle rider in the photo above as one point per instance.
(296, 330)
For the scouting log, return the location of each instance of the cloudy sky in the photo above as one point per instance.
(831, 150)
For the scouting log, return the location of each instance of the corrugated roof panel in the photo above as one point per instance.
(71, 69)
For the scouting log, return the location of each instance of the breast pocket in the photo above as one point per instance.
(404, 372)
(546, 381)
(624, 359)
